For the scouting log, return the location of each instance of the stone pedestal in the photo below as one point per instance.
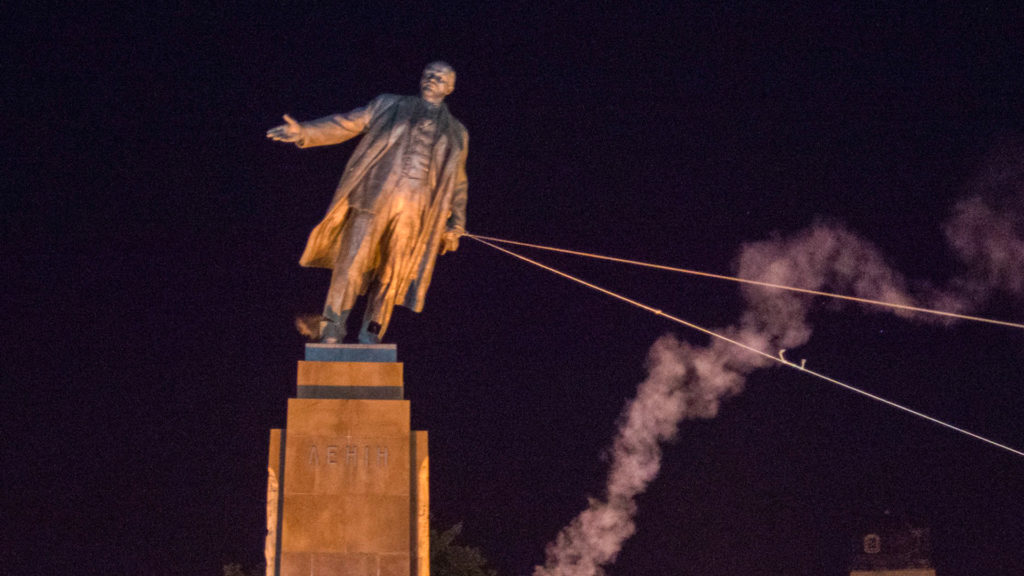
(347, 493)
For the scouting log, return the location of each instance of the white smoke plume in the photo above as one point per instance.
(689, 382)
(987, 228)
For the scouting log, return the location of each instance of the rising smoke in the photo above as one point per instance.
(690, 382)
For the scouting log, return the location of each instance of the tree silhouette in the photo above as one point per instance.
(448, 558)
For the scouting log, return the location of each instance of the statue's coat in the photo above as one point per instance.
(374, 167)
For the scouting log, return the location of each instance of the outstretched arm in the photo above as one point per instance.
(332, 129)
(290, 131)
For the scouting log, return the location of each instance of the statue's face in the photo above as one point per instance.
(438, 81)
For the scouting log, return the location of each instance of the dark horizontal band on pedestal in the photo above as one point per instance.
(350, 392)
(351, 353)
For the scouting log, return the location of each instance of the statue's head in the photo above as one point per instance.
(438, 81)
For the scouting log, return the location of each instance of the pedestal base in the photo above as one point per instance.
(352, 477)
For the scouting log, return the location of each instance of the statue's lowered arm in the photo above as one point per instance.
(456, 224)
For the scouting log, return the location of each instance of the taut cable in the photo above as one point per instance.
(754, 282)
(780, 358)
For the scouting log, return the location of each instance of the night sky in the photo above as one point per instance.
(151, 235)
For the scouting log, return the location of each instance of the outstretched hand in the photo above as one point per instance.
(291, 131)
(450, 241)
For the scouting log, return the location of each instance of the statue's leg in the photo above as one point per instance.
(355, 252)
(374, 323)
(332, 326)
(371, 332)
(396, 248)
(383, 293)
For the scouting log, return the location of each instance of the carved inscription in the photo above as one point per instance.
(348, 455)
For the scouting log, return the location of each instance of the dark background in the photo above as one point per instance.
(151, 237)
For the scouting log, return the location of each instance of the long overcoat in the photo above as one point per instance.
(374, 167)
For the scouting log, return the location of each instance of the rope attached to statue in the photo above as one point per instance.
(779, 357)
